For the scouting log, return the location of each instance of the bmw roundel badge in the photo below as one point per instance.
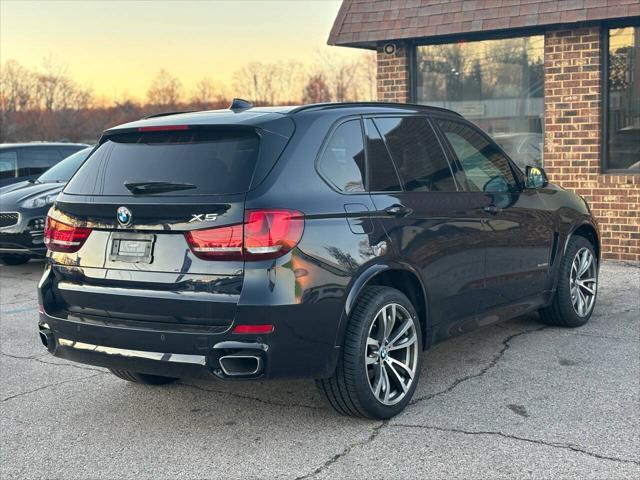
(124, 216)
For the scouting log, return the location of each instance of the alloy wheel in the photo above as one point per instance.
(583, 282)
(391, 354)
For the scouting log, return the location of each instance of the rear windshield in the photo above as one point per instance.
(190, 162)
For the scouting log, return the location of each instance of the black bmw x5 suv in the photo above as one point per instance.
(331, 241)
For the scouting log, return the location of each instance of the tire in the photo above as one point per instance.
(565, 310)
(143, 378)
(350, 391)
(14, 259)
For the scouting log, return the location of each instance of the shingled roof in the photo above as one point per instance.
(363, 23)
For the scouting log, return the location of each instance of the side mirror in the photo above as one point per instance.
(536, 178)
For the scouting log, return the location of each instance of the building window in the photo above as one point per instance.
(622, 124)
(498, 84)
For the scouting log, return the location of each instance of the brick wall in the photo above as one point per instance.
(573, 140)
(393, 75)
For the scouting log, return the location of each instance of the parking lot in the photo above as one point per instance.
(511, 400)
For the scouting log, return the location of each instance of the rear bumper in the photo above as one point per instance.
(186, 355)
(302, 343)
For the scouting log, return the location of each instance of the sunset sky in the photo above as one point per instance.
(117, 47)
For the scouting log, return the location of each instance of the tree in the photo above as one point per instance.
(316, 90)
(206, 93)
(165, 90)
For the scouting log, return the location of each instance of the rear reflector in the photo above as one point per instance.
(60, 237)
(253, 329)
(163, 128)
(266, 234)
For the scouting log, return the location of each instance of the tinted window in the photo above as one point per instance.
(8, 163)
(623, 142)
(485, 167)
(417, 154)
(33, 161)
(63, 171)
(342, 162)
(382, 173)
(205, 161)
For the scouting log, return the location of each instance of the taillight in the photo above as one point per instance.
(271, 233)
(266, 234)
(223, 243)
(60, 237)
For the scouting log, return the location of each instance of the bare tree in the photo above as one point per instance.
(316, 90)
(165, 90)
(207, 92)
(16, 87)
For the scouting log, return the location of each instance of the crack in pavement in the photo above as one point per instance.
(374, 434)
(38, 358)
(505, 346)
(49, 386)
(247, 397)
(564, 446)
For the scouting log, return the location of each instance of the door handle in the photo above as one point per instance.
(397, 210)
(492, 209)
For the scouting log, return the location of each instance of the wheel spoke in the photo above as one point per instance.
(399, 332)
(397, 378)
(589, 290)
(390, 319)
(404, 344)
(377, 384)
(392, 361)
(386, 383)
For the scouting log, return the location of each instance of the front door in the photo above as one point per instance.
(520, 233)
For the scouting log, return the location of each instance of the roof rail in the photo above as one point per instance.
(239, 105)
(165, 114)
(328, 105)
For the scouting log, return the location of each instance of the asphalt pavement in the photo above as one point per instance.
(513, 400)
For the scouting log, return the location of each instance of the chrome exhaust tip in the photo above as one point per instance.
(241, 365)
(47, 339)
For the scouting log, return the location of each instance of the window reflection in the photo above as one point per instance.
(498, 84)
(624, 99)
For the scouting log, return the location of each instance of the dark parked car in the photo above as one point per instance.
(331, 241)
(25, 161)
(24, 207)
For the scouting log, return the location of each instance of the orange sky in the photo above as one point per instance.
(117, 47)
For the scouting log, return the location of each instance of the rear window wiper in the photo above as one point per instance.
(138, 188)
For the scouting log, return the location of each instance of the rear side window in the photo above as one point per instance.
(382, 174)
(34, 161)
(197, 162)
(417, 154)
(342, 162)
(8, 163)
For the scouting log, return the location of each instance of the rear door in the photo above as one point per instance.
(518, 231)
(431, 225)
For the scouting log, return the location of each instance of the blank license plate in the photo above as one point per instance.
(137, 249)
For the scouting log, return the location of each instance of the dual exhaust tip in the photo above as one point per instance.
(241, 365)
(239, 359)
(47, 339)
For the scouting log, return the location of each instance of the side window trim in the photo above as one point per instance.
(325, 144)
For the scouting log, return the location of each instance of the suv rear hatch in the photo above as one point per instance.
(161, 208)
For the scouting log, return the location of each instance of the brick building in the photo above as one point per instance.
(556, 82)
